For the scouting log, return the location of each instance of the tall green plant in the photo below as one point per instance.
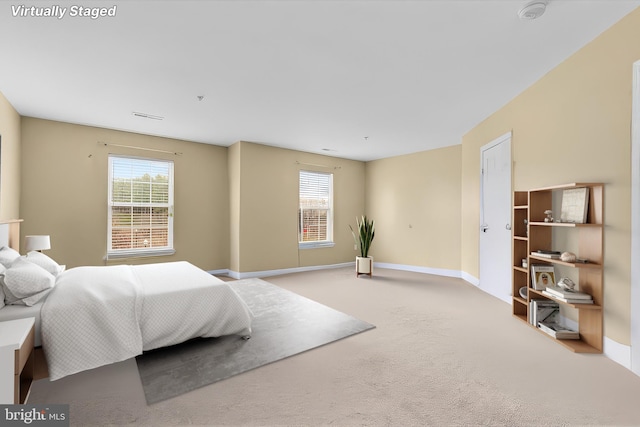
(364, 235)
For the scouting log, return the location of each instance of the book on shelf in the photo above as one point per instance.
(545, 251)
(558, 331)
(567, 293)
(543, 310)
(546, 254)
(568, 300)
(542, 275)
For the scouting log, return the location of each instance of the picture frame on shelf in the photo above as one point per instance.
(575, 204)
(542, 275)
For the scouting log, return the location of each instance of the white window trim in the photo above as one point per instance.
(142, 252)
(329, 243)
(315, 245)
(139, 253)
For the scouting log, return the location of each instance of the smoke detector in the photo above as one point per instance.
(532, 10)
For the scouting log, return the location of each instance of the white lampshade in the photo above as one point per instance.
(37, 243)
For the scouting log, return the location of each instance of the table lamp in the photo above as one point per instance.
(37, 243)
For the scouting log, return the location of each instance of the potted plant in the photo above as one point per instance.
(363, 237)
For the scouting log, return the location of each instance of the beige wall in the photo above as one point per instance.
(64, 192)
(267, 234)
(572, 125)
(235, 208)
(415, 201)
(9, 161)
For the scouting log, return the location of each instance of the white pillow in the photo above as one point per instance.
(8, 296)
(38, 258)
(27, 282)
(8, 255)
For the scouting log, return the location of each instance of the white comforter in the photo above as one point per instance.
(100, 315)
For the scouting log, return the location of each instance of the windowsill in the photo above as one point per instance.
(140, 253)
(315, 245)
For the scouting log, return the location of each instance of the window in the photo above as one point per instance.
(140, 207)
(315, 212)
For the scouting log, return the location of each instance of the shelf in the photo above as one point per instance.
(520, 300)
(592, 265)
(578, 306)
(522, 238)
(521, 207)
(521, 269)
(521, 317)
(577, 346)
(567, 186)
(563, 224)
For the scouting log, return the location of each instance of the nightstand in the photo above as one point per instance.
(16, 360)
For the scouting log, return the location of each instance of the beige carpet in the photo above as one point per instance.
(284, 324)
(443, 354)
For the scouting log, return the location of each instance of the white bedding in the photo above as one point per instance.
(100, 315)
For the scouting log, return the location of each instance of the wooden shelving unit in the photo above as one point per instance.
(536, 234)
(520, 251)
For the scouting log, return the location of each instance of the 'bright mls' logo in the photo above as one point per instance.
(34, 415)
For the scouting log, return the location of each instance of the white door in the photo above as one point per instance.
(495, 218)
(635, 222)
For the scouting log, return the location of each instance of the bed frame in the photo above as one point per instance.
(10, 233)
(10, 236)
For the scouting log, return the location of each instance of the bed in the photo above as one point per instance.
(97, 315)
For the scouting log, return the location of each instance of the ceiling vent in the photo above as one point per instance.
(532, 10)
(147, 116)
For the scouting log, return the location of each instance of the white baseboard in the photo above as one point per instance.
(417, 269)
(617, 352)
(224, 272)
(267, 273)
(469, 278)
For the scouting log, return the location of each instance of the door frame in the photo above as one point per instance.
(635, 221)
(507, 137)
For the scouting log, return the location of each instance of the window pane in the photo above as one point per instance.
(121, 238)
(141, 216)
(140, 192)
(159, 237)
(159, 193)
(159, 217)
(314, 225)
(121, 216)
(121, 190)
(141, 238)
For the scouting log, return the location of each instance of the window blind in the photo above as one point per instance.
(314, 213)
(140, 205)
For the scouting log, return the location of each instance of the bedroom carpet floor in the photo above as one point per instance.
(443, 353)
(284, 324)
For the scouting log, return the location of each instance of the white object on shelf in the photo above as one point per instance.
(575, 205)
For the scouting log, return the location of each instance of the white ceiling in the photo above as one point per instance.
(306, 75)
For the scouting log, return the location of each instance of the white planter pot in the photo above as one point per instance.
(364, 265)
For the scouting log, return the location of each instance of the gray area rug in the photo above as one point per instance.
(285, 324)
